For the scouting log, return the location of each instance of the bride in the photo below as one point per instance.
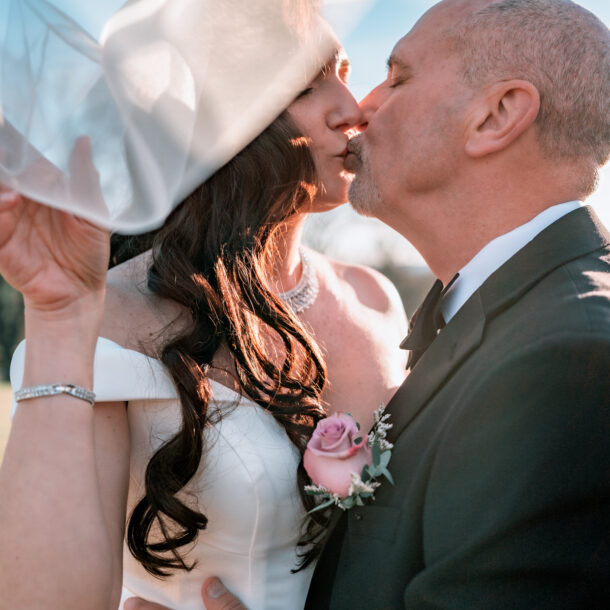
(209, 375)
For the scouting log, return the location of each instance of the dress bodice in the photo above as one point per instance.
(246, 486)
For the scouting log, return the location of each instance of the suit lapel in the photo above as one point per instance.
(450, 348)
(572, 236)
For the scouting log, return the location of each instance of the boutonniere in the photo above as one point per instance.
(344, 466)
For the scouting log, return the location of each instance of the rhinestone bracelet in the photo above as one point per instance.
(37, 391)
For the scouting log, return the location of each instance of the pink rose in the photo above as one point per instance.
(332, 454)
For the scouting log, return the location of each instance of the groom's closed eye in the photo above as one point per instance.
(398, 72)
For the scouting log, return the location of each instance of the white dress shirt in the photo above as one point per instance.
(492, 256)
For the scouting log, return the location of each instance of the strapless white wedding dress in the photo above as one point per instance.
(246, 486)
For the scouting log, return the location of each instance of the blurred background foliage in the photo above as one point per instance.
(11, 325)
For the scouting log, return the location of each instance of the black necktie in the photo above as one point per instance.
(425, 324)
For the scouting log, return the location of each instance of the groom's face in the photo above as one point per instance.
(414, 137)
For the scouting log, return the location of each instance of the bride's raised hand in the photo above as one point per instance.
(53, 258)
(50, 494)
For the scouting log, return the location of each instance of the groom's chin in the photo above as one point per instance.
(364, 197)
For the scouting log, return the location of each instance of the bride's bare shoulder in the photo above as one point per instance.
(364, 286)
(133, 316)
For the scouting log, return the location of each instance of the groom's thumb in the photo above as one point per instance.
(216, 597)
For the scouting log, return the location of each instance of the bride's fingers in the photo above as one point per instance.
(216, 596)
(12, 206)
(84, 184)
(84, 177)
(5, 189)
(9, 200)
(80, 161)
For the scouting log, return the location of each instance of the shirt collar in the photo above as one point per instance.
(492, 256)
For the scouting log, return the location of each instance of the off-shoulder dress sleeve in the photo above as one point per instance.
(119, 374)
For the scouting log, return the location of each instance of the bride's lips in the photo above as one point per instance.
(351, 163)
(343, 156)
(352, 160)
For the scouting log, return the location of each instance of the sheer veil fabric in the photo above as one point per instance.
(167, 91)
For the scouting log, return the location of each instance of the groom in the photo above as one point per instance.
(479, 146)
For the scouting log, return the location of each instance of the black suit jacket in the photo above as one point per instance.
(502, 449)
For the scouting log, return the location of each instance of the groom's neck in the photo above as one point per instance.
(449, 228)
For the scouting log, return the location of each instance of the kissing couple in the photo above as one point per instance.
(209, 358)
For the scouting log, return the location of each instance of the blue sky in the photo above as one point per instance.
(385, 21)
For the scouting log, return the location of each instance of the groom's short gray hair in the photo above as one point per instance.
(562, 49)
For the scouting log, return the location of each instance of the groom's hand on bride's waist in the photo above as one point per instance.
(214, 594)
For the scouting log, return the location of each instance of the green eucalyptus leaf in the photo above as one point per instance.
(376, 454)
(321, 506)
(348, 502)
(374, 471)
(387, 475)
(357, 440)
(385, 458)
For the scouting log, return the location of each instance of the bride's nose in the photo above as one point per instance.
(346, 113)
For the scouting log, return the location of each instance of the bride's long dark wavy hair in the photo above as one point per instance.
(212, 256)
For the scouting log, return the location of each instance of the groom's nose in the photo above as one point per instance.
(369, 105)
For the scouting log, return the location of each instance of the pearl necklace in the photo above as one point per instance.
(304, 294)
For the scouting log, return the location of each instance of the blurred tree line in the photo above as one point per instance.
(412, 283)
(343, 235)
(11, 325)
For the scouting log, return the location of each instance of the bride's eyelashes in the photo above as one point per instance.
(340, 67)
(305, 92)
(344, 71)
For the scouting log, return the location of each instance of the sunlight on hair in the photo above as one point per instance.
(301, 142)
(310, 189)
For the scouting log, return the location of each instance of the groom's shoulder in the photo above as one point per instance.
(542, 359)
(590, 276)
(567, 312)
(577, 293)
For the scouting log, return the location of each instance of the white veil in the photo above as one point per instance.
(167, 91)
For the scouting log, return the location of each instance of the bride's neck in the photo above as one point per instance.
(286, 271)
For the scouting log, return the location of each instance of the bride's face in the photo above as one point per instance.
(324, 112)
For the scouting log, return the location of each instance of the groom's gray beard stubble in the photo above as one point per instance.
(364, 194)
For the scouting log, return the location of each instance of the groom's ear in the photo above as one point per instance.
(505, 111)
